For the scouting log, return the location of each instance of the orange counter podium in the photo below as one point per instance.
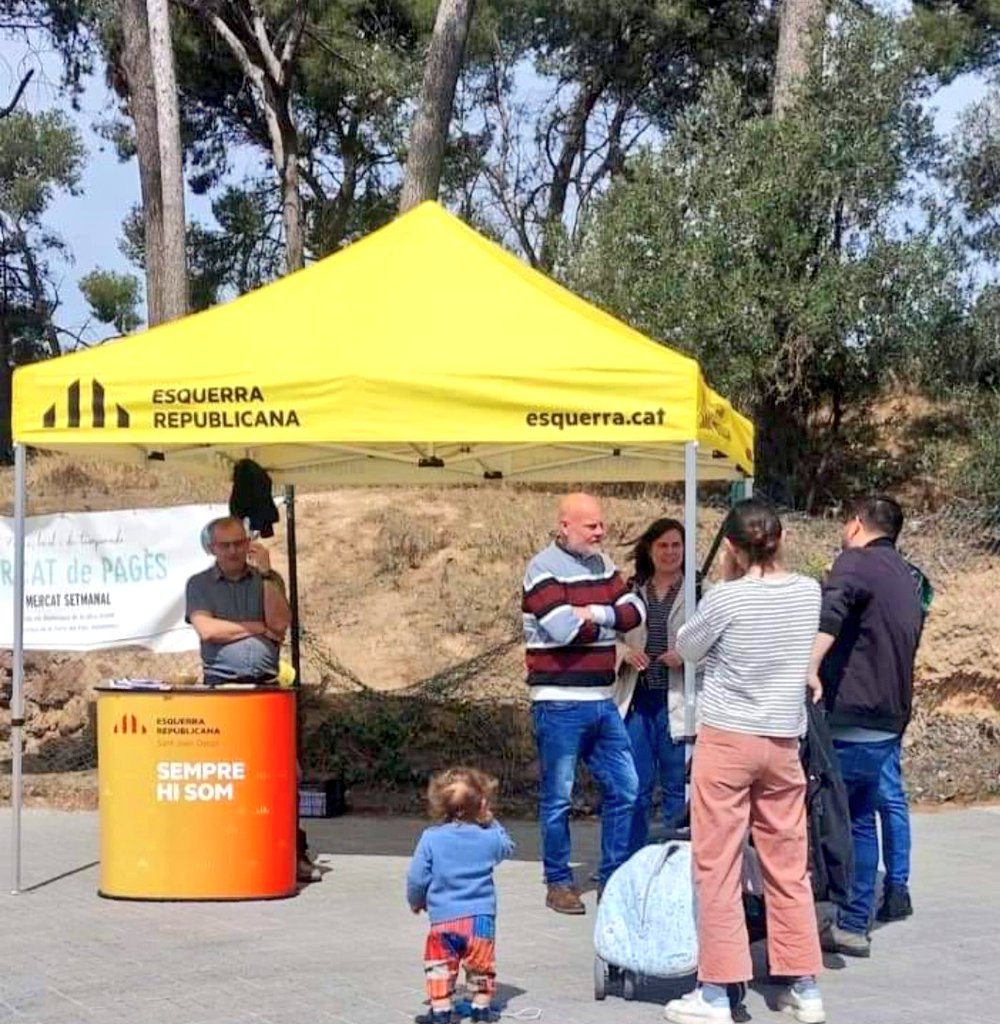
(198, 792)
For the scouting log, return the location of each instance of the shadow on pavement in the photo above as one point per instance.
(60, 877)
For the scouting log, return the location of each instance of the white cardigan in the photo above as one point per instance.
(627, 676)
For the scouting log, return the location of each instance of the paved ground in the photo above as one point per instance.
(348, 951)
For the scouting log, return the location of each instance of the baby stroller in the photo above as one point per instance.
(646, 919)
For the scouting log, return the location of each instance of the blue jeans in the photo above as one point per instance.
(894, 817)
(861, 765)
(593, 730)
(657, 757)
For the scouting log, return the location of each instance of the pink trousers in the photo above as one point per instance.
(742, 782)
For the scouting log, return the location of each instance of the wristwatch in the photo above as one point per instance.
(269, 574)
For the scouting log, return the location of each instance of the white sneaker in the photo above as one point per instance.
(692, 1009)
(805, 1008)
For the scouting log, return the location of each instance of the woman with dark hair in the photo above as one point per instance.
(759, 626)
(650, 685)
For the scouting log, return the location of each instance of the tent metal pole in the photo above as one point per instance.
(295, 636)
(690, 570)
(17, 668)
(748, 487)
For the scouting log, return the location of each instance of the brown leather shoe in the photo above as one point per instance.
(564, 900)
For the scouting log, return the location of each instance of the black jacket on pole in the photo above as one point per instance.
(251, 498)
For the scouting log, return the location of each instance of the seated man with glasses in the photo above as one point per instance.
(238, 608)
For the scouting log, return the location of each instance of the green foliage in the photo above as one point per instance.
(658, 51)
(979, 474)
(973, 172)
(964, 358)
(816, 566)
(395, 742)
(39, 155)
(955, 36)
(244, 252)
(606, 74)
(114, 298)
(358, 66)
(770, 249)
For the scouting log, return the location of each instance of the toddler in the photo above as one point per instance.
(451, 877)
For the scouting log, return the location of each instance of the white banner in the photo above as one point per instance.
(96, 580)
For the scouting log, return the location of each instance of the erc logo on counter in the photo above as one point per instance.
(129, 725)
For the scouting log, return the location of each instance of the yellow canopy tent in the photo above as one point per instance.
(421, 354)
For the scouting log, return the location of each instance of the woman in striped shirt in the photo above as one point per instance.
(758, 628)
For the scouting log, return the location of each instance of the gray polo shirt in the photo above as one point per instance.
(242, 600)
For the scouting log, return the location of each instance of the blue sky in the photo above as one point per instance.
(90, 223)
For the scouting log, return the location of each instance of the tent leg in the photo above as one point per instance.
(293, 581)
(748, 487)
(690, 569)
(17, 668)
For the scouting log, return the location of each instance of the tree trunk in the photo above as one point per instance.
(437, 97)
(576, 134)
(291, 200)
(799, 34)
(174, 265)
(270, 78)
(18, 92)
(41, 303)
(138, 66)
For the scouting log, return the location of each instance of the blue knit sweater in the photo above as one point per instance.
(451, 873)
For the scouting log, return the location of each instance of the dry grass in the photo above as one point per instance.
(63, 483)
(404, 540)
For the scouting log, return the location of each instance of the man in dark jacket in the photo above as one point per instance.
(863, 655)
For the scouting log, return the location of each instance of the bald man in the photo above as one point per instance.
(575, 605)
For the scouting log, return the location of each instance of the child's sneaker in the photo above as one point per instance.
(803, 1001)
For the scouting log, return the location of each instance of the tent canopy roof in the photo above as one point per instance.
(422, 354)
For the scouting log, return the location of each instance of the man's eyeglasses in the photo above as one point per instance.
(231, 545)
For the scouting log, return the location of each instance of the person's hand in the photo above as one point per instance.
(259, 557)
(583, 614)
(273, 636)
(815, 687)
(637, 659)
(417, 910)
(671, 659)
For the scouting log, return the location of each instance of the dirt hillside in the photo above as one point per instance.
(411, 622)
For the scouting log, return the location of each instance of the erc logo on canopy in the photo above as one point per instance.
(206, 408)
(98, 412)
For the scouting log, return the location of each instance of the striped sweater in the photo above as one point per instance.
(757, 635)
(560, 649)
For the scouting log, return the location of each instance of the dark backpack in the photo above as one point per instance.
(924, 586)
